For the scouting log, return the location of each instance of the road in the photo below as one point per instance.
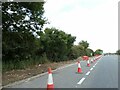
(101, 74)
(119, 72)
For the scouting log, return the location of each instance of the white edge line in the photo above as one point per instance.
(80, 82)
(28, 79)
(87, 73)
(91, 69)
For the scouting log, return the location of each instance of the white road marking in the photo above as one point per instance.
(91, 69)
(87, 73)
(94, 66)
(80, 82)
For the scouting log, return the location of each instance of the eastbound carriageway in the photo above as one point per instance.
(103, 73)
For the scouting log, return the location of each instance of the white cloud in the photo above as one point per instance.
(95, 22)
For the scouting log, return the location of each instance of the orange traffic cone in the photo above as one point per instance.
(50, 85)
(88, 63)
(79, 67)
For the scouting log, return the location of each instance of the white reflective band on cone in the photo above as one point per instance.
(79, 65)
(88, 61)
(50, 79)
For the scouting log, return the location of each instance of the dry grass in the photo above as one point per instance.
(16, 75)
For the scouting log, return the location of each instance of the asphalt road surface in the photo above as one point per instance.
(101, 74)
(119, 72)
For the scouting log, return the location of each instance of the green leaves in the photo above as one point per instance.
(118, 52)
(20, 20)
(89, 52)
(83, 50)
(85, 44)
(23, 15)
(98, 52)
(56, 43)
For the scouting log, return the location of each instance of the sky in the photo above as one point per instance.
(95, 21)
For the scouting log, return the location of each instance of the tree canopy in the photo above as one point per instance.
(24, 42)
(118, 52)
(24, 39)
(98, 51)
(56, 43)
(84, 44)
(20, 20)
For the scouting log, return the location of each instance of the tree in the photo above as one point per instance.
(56, 43)
(75, 52)
(98, 52)
(81, 50)
(20, 22)
(89, 52)
(83, 47)
(22, 16)
(118, 52)
(85, 44)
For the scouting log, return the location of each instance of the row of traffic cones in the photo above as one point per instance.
(88, 64)
(50, 85)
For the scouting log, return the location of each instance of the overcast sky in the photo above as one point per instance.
(95, 21)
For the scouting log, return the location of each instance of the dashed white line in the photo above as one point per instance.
(80, 82)
(91, 69)
(87, 73)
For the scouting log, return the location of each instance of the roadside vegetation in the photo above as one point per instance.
(26, 44)
(118, 52)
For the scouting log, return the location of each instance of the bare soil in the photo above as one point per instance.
(16, 75)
